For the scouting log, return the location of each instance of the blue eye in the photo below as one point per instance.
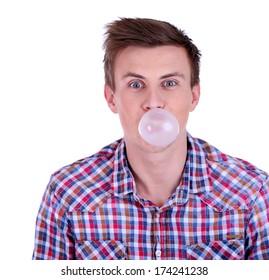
(136, 85)
(169, 83)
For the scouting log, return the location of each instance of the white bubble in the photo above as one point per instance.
(158, 127)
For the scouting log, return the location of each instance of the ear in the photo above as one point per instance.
(195, 96)
(110, 98)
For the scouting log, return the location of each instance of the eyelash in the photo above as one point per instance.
(169, 81)
(142, 85)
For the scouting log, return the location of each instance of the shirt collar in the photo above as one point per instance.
(196, 174)
(195, 177)
(122, 178)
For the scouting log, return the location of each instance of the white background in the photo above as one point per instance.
(52, 109)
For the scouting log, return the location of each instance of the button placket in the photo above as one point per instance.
(157, 250)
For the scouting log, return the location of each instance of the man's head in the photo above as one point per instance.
(149, 33)
(150, 64)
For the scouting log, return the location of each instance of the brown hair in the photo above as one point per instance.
(145, 32)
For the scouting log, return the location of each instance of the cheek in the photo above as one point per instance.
(128, 115)
(183, 119)
(128, 119)
(121, 102)
(127, 107)
(182, 111)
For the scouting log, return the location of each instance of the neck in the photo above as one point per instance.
(157, 174)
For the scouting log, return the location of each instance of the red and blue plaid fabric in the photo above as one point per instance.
(91, 210)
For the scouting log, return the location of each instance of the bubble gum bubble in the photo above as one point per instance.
(158, 127)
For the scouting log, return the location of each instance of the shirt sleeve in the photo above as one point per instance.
(53, 239)
(257, 230)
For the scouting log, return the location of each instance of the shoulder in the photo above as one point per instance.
(83, 182)
(235, 182)
(224, 161)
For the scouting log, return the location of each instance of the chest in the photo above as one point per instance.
(122, 230)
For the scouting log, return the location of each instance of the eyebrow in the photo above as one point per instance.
(132, 74)
(173, 74)
(169, 75)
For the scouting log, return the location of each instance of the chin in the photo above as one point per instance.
(154, 149)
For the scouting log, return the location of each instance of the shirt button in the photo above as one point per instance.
(158, 253)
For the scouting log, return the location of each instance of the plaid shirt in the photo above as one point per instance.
(91, 210)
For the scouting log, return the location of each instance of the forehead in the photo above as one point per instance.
(157, 60)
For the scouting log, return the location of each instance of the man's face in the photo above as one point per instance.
(147, 78)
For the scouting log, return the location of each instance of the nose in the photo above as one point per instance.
(153, 100)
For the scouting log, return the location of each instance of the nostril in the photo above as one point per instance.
(147, 108)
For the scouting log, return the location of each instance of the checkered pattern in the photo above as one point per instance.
(217, 250)
(95, 250)
(91, 210)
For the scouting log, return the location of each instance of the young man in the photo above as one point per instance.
(134, 200)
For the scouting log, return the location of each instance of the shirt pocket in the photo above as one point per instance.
(216, 250)
(100, 250)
